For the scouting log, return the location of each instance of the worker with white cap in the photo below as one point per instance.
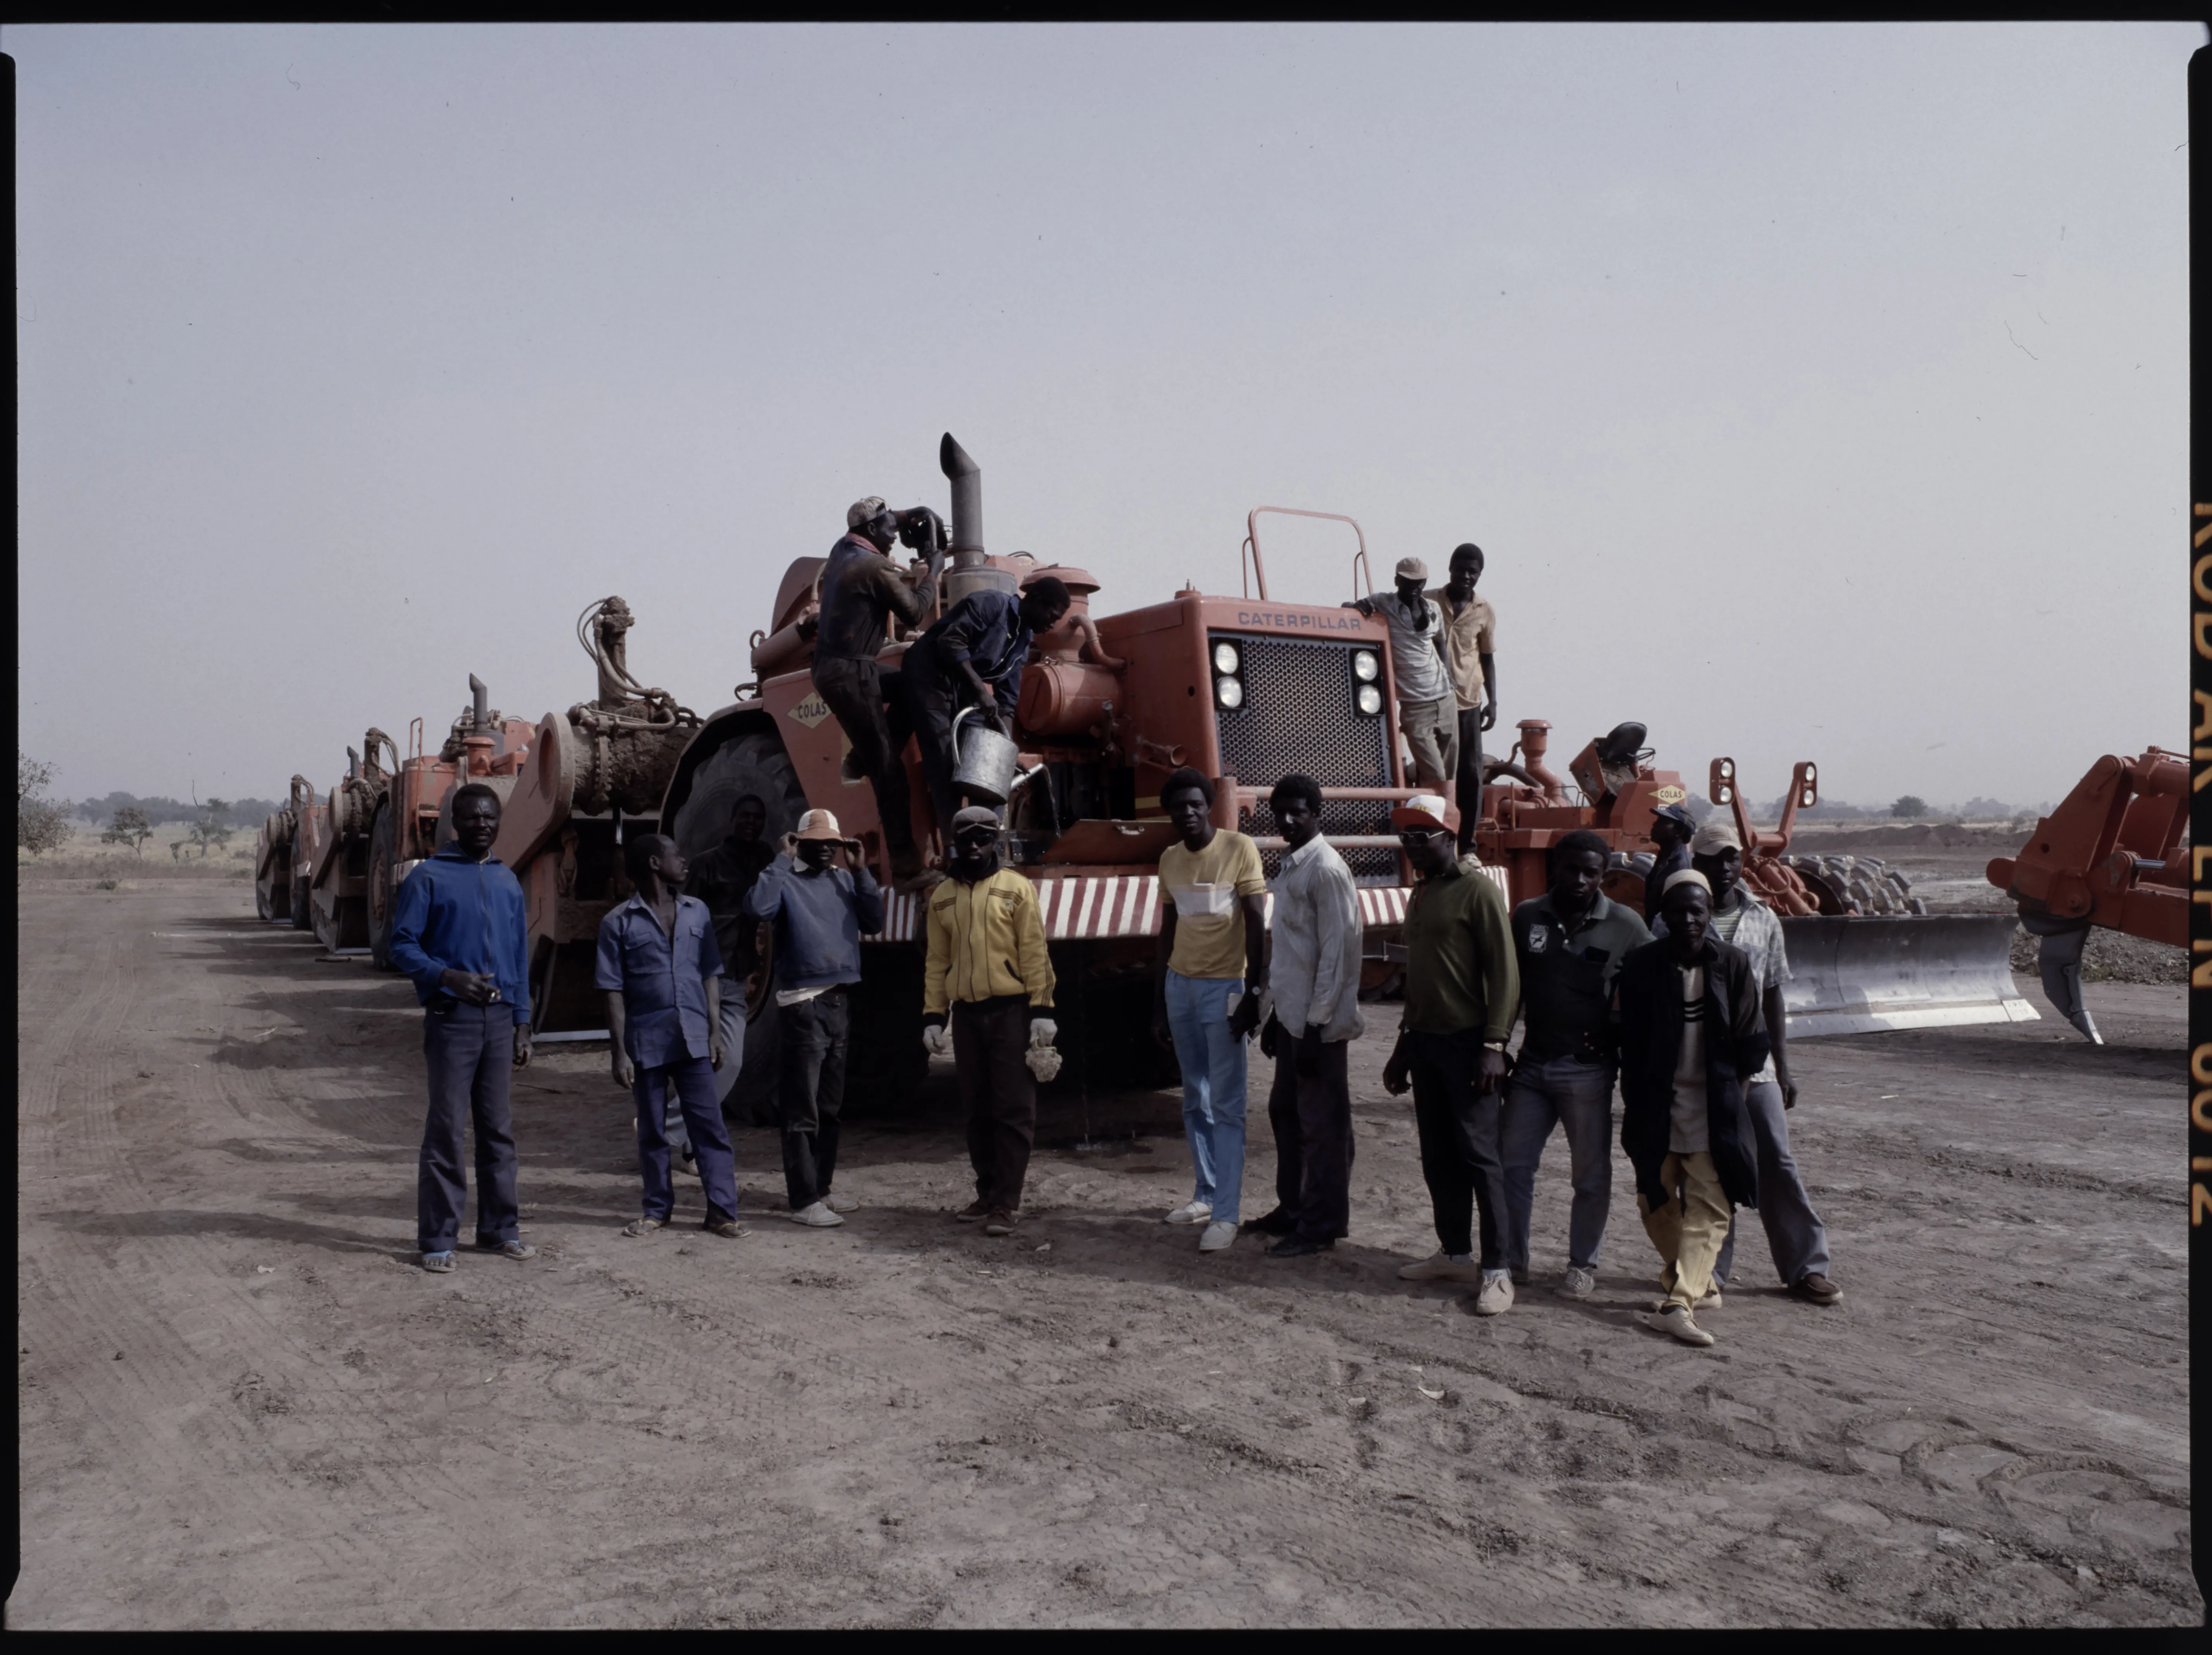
(1462, 986)
(988, 974)
(1794, 1235)
(1690, 1031)
(1427, 705)
(821, 898)
(862, 590)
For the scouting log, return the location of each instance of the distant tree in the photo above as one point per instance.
(129, 827)
(1978, 809)
(1911, 804)
(41, 825)
(211, 830)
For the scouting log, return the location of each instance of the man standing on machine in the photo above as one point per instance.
(1470, 656)
(861, 588)
(973, 658)
(1427, 714)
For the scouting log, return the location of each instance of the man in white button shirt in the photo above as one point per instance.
(1315, 979)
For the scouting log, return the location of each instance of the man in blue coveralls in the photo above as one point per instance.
(661, 971)
(459, 932)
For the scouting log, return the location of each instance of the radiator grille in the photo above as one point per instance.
(1297, 716)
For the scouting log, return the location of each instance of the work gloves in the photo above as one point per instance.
(1043, 1060)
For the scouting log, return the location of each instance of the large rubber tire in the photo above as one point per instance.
(302, 918)
(264, 902)
(753, 763)
(383, 888)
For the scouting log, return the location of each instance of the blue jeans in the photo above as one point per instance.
(1794, 1234)
(733, 1026)
(688, 1083)
(1212, 1064)
(470, 1053)
(1577, 1094)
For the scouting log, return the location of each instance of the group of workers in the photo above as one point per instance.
(1683, 1015)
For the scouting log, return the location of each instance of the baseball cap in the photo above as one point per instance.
(1424, 811)
(1412, 568)
(1715, 834)
(1677, 814)
(864, 510)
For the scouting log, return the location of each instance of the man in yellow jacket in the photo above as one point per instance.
(988, 967)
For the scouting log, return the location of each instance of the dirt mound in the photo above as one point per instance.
(2112, 957)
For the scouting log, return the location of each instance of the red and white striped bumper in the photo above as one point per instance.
(1090, 908)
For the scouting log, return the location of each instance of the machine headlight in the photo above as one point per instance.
(1229, 692)
(1225, 658)
(1369, 698)
(1366, 668)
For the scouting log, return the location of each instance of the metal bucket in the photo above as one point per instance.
(984, 762)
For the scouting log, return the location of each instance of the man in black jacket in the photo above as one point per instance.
(1690, 1031)
(973, 656)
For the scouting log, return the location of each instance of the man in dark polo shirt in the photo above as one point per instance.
(1568, 944)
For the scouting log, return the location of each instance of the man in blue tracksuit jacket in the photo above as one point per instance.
(459, 932)
(821, 911)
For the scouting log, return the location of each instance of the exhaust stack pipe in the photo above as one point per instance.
(967, 479)
(483, 697)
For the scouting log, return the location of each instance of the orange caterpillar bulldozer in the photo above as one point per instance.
(2110, 855)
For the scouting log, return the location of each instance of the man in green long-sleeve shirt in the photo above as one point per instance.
(1462, 986)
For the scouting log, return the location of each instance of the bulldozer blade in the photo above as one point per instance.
(1861, 974)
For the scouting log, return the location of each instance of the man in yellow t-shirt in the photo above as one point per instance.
(1207, 977)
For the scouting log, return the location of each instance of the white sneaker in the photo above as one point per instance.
(1217, 1237)
(1495, 1297)
(1436, 1267)
(841, 1203)
(1678, 1321)
(683, 1167)
(819, 1216)
(1192, 1212)
(1577, 1283)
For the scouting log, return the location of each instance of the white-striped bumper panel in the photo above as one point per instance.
(1091, 908)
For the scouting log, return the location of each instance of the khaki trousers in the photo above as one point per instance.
(1432, 729)
(1687, 1231)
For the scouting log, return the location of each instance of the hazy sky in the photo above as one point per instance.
(1817, 392)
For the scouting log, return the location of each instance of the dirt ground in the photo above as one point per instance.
(241, 1405)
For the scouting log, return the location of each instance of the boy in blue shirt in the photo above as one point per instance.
(662, 974)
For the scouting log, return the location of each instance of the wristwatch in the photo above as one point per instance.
(1493, 1045)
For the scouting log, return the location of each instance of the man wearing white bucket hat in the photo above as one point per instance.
(821, 898)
